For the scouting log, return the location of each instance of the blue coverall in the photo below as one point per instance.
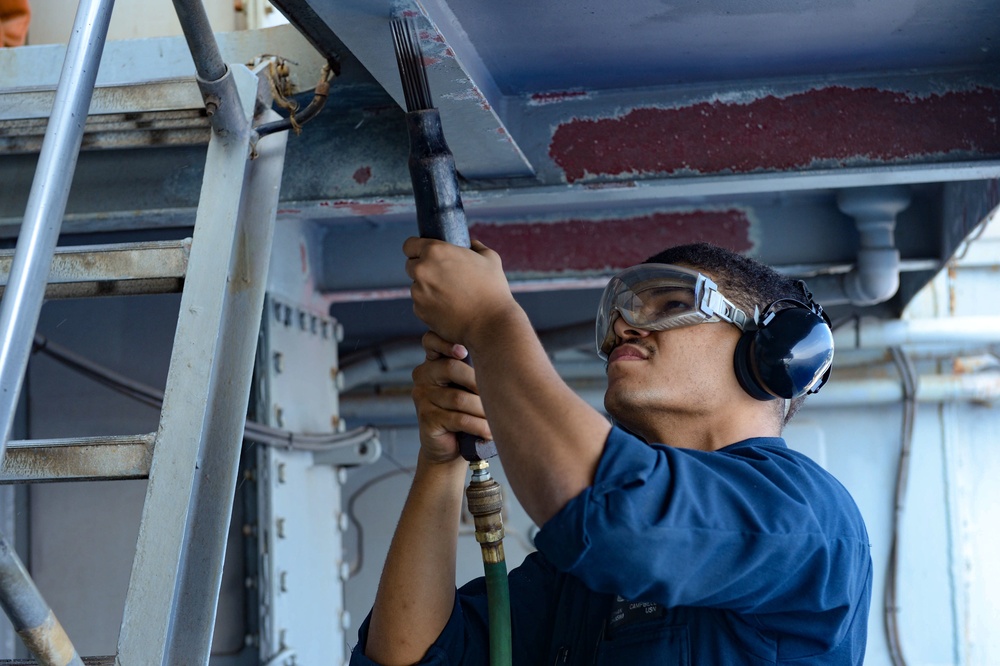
(751, 554)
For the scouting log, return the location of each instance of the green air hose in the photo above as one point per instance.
(486, 505)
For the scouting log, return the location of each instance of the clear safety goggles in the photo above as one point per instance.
(658, 297)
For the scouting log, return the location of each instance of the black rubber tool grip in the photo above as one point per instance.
(440, 215)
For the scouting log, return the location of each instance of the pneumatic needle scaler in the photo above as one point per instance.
(440, 215)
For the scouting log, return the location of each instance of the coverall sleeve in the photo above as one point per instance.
(755, 529)
(465, 639)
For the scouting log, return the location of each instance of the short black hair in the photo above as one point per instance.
(745, 281)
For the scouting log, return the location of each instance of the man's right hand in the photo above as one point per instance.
(447, 400)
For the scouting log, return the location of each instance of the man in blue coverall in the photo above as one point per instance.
(686, 532)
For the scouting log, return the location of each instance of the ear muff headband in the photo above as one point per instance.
(789, 354)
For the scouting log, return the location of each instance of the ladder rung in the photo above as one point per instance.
(111, 270)
(78, 459)
(87, 661)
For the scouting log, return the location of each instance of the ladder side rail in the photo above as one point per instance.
(173, 591)
(22, 301)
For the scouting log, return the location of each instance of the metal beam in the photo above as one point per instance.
(460, 84)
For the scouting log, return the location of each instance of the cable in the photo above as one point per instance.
(136, 390)
(908, 376)
(293, 121)
(153, 397)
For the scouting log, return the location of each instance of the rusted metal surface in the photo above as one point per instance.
(50, 641)
(835, 126)
(587, 244)
(82, 459)
(130, 100)
(30, 615)
(110, 270)
(120, 130)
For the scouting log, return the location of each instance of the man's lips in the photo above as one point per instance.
(628, 352)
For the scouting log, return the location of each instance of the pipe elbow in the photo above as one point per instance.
(875, 278)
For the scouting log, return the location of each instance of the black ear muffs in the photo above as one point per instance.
(788, 354)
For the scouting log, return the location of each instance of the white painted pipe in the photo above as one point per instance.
(872, 333)
(979, 387)
(875, 276)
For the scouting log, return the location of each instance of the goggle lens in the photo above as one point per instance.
(658, 297)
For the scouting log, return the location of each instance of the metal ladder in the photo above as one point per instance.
(191, 460)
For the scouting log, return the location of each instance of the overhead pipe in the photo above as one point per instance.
(368, 366)
(981, 387)
(873, 333)
(875, 276)
(866, 333)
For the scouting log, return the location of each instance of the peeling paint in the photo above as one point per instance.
(833, 126)
(362, 209)
(609, 244)
(541, 99)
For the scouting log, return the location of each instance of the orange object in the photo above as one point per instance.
(15, 15)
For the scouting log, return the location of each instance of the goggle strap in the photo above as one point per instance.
(715, 304)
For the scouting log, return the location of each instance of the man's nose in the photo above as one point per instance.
(624, 330)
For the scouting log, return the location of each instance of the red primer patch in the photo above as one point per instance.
(597, 245)
(362, 175)
(827, 127)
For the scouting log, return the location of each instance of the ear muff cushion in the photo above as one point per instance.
(745, 366)
(786, 358)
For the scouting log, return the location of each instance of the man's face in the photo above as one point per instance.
(680, 371)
